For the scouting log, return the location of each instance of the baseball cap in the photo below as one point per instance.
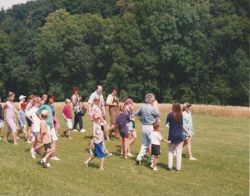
(22, 97)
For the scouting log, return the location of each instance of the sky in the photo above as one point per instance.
(6, 4)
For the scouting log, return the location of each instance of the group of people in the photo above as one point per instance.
(37, 119)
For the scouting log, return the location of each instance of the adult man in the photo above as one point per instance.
(113, 105)
(97, 92)
(148, 115)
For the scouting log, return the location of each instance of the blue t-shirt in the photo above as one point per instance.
(48, 107)
(175, 129)
(121, 122)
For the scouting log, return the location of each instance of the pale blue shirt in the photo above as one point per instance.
(148, 114)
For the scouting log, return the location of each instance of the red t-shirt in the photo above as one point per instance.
(67, 112)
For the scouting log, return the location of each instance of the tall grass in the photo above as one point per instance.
(210, 110)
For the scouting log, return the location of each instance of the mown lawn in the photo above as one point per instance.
(221, 146)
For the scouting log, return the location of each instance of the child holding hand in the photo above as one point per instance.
(156, 139)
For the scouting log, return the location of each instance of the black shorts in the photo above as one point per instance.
(47, 146)
(29, 122)
(155, 149)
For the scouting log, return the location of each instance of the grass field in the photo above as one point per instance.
(220, 144)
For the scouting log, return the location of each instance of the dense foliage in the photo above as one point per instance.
(185, 50)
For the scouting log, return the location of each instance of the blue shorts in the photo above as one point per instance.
(99, 151)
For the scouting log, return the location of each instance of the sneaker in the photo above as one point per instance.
(0, 138)
(33, 153)
(130, 155)
(109, 154)
(55, 158)
(83, 130)
(101, 168)
(48, 165)
(152, 165)
(192, 159)
(138, 162)
(43, 162)
(155, 169)
(75, 130)
(29, 142)
(15, 143)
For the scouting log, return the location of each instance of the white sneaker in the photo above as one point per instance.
(152, 165)
(155, 169)
(83, 130)
(192, 159)
(55, 158)
(130, 155)
(74, 130)
(48, 165)
(86, 164)
(33, 153)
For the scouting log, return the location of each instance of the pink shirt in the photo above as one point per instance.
(67, 112)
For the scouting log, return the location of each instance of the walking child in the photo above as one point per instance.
(67, 115)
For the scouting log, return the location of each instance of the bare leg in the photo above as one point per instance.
(102, 164)
(14, 138)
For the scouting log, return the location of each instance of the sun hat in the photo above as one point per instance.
(186, 104)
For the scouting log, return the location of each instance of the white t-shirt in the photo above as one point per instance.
(36, 121)
(156, 137)
(92, 97)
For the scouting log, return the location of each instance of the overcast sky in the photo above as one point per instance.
(9, 3)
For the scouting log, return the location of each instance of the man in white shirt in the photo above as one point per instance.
(98, 92)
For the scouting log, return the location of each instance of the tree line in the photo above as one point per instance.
(182, 50)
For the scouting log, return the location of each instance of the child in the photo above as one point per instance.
(121, 121)
(22, 118)
(156, 139)
(29, 123)
(98, 141)
(35, 128)
(11, 117)
(67, 115)
(1, 118)
(45, 139)
(188, 124)
(131, 124)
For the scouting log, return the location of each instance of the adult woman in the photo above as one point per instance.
(77, 108)
(11, 117)
(175, 137)
(148, 116)
(188, 125)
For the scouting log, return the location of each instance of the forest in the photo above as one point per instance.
(181, 50)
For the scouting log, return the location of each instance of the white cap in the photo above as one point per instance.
(22, 97)
(45, 112)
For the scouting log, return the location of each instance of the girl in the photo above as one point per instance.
(98, 141)
(46, 139)
(1, 118)
(175, 136)
(35, 128)
(11, 118)
(67, 115)
(49, 107)
(156, 139)
(131, 124)
(121, 122)
(188, 125)
(29, 123)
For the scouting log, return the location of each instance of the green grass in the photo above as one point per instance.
(220, 144)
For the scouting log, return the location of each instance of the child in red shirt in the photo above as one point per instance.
(67, 115)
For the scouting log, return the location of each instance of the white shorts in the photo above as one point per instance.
(1, 124)
(52, 133)
(69, 124)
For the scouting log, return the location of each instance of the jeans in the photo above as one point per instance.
(146, 132)
(78, 119)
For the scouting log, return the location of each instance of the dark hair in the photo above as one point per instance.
(177, 112)
(74, 89)
(156, 124)
(49, 97)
